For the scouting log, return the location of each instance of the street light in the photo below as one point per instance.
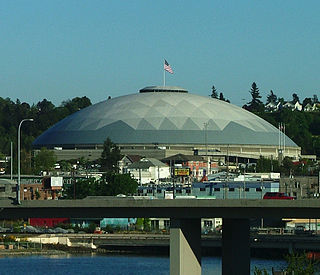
(18, 187)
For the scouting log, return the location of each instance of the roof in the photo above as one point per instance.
(182, 157)
(163, 118)
(166, 89)
(145, 163)
(133, 158)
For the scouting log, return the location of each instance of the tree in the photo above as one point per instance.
(76, 104)
(110, 156)
(221, 97)
(295, 98)
(44, 160)
(255, 105)
(307, 101)
(300, 264)
(120, 184)
(271, 98)
(287, 166)
(267, 165)
(214, 93)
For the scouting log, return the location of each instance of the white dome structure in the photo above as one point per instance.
(167, 116)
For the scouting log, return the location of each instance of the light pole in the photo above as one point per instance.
(19, 129)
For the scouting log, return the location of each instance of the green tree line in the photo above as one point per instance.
(44, 113)
(302, 127)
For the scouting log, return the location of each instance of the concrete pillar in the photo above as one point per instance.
(235, 246)
(185, 246)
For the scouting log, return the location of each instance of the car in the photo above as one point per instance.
(277, 196)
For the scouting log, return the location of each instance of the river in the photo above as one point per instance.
(105, 264)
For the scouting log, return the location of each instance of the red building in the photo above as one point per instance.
(47, 222)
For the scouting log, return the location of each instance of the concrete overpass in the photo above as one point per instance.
(185, 215)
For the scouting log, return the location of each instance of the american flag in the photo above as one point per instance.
(167, 67)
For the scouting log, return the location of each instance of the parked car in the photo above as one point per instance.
(277, 196)
(301, 230)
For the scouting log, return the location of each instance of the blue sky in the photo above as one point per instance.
(61, 49)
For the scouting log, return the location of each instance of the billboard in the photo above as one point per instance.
(181, 171)
(56, 181)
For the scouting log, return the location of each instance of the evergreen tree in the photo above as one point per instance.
(272, 98)
(221, 97)
(295, 98)
(214, 93)
(306, 101)
(255, 105)
(110, 157)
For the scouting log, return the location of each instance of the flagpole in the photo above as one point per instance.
(284, 138)
(279, 136)
(164, 76)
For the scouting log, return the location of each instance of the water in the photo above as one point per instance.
(141, 265)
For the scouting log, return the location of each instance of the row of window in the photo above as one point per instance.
(3, 189)
(188, 191)
(231, 189)
(159, 191)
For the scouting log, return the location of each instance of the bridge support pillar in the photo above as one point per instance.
(185, 246)
(235, 246)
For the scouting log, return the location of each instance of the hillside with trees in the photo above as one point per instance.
(303, 127)
(44, 114)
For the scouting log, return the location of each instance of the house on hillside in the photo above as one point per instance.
(271, 107)
(298, 106)
(312, 107)
(293, 106)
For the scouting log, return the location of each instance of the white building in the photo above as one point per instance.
(149, 170)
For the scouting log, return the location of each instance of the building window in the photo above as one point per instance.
(258, 189)
(166, 224)
(207, 223)
(149, 191)
(231, 189)
(2, 189)
(188, 191)
(155, 224)
(217, 189)
(246, 189)
(178, 191)
(202, 189)
(140, 191)
(159, 191)
(14, 189)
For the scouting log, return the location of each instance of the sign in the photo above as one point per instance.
(181, 171)
(56, 181)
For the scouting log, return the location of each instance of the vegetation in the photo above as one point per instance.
(110, 157)
(255, 105)
(44, 113)
(214, 93)
(300, 264)
(297, 264)
(44, 160)
(302, 127)
(111, 184)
